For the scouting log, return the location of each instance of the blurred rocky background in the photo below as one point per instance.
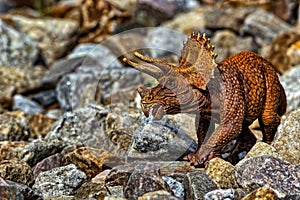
(70, 122)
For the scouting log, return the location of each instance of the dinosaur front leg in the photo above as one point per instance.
(215, 142)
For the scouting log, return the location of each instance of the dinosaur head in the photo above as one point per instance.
(175, 92)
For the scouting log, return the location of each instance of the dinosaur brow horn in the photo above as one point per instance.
(164, 66)
(150, 70)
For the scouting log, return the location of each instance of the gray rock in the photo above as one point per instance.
(53, 36)
(95, 53)
(91, 84)
(25, 190)
(164, 41)
(176, 187)
(197, 184)
(144, 173)
(290, 81)
(276, 174)
(226, 194)
(14, 126)
(36, 150)
(287, 138)
(263, 26)
(85, 126)
(59, 181)
(16, 49)
(26, 105)
(45, 98)
(159, 140)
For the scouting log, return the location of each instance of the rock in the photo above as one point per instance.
(91, 161)
(7, 146)
(93, 84)
(25, 190)
(263, 149)
(47, 164)
(85, 126)
(95, 54)
(53, 36)
(120, 126)
(39, 125)
(45, 98)
(158, 195)
(263, 26)
(16, 171)
(164, 41)
(91, 191)
(226, 18)
(270, 172)
(281, 52)
(59, 181)
(22, 79)
(197, 184)
(228, 194)
(13, 126)
(10, 192)
(159, 140)
(287, 138)
(144, 173)
(36, 150)
(290, 82)
(26, 105)
(61, 68)
(101, 177)
(293, 53)
(228, 43)
(261, 193)
(116, 193)
(176, 187)
(16, 49)
(186, 22)
(222, 173)
(120, 174)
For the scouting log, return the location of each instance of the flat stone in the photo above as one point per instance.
(13, 126)
(270, 172)
(197, 184)
(101, 177)
(59, 181)
(16, 49)
(287, 138)
(16, 171)
(222, 173)
(91, 160)
(45, 98)
(228, 194)
(26, 105)
(264, 26)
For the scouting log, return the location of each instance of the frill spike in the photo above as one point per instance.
(197, 61)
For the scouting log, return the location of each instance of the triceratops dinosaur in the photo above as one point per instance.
(232, 93)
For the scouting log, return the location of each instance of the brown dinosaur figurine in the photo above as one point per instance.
(232, 93)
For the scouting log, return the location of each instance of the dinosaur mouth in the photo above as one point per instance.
(157, 111)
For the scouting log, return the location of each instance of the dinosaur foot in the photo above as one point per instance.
(200, 159)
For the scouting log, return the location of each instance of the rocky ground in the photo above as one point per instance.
(70, 122)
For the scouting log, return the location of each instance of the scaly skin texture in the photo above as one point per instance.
(232, 93)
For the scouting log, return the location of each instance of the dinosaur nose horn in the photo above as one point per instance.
(142, 91)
